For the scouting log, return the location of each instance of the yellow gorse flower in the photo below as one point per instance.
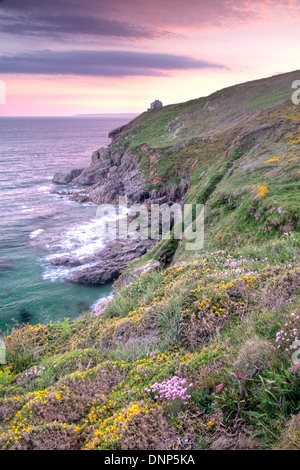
(261, 190)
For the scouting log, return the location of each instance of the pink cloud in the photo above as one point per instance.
(125, 19)
(200, 14)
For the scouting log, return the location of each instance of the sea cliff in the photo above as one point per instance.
(197, 349)
(218, 151)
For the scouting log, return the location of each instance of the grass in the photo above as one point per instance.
(151, 344)
(270, 98)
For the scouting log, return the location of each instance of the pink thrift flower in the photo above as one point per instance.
(294, 367)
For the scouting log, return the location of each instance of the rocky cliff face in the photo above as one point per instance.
(115, 172)
(61, 178)
(111, 174)
(235, 151)
(107, 264)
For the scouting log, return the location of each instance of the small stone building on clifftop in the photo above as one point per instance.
(155, 105)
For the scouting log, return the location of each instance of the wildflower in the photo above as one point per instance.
(286, 337)
(171, 389)
(219, 388)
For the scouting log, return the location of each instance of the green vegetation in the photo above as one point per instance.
(209, 316)
(268, 99)
(213, 322)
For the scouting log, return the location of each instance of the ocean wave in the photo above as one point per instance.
(84, 239)
(26, 209)
(44, 188)
(35, 233)
(56, 273)
(87, 238)
(60, 273)
(81, 241)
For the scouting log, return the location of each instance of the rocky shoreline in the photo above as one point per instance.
(106, 265)
(111, 174)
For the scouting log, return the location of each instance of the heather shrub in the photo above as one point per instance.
(60, 406)
(149, 431)
(290, 436)
(254, 356)
(280, 291)
(9, 406)
(199, 327)
(239, 442)
(58, 436)
(94, 383)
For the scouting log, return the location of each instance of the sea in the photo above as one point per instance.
(37, 224)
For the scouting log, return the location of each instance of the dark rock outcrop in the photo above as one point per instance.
(109, 263)
(65, 260)
(112, 173)
(61, 178)
(100, 155)
(96, 173)
(113, 134)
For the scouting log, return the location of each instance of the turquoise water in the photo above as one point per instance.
(36, 225)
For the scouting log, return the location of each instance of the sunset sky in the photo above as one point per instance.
(66, 57)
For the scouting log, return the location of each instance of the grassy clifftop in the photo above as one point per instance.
(237, 151)
(206, 117)
(221, 319)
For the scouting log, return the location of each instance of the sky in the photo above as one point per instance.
(66, 57)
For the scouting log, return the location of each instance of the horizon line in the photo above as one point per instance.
(70, 115)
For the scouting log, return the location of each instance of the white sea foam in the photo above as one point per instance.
(79, 241)
(84, 239)
(35, 233)
(87, 238)
(59, 273)
(56, 273)
(26, 209)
